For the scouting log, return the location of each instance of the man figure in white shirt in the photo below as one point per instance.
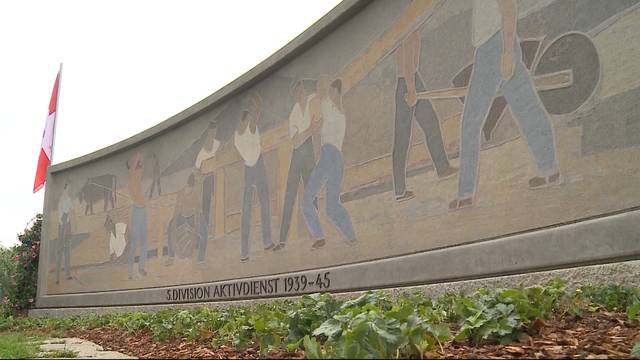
(209, 148)
(497, 66)
(65, 212)
(302, 159)
(247, 141)
(329, 171)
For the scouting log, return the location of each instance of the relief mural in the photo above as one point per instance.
(447, 122)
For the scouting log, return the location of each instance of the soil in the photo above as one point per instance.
(599, 335)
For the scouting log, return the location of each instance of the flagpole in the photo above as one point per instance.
(55, 119)
(42, 279)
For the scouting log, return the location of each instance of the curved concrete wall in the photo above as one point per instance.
(392, 143)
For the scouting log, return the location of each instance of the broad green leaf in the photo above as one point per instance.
(423, 346)
(384, 333)
(633, 311)
(312, 348)
(509, 338)
(329, 328)
(510, 294)
(350, 349)
(440, 331)
(402, 313)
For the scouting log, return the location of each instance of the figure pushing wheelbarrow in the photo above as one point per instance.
(499, 65)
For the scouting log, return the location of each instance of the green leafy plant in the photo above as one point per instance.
(312, 348)
(369, 326)
(308, 314)
(7, 278)
(633, 311)
(18, 284)
(500, 315)
(612, 297)
(485, 322)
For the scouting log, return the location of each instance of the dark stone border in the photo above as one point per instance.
(627, 273)
(596, 241)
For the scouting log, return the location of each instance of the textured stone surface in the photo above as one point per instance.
(83, 349)
(626, 273)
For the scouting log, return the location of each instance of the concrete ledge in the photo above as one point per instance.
(602, 240)
(627, 273)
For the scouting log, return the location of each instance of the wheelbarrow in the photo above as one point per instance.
(565, 75)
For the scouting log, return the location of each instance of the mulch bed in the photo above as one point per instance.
(598, 335)
(142, 345)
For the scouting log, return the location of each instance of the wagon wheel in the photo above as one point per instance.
(574, 52)
(530, 48)
(565, 77)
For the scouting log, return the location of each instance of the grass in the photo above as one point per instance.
(23, 345)
(55, 333)
(19, 345)
(66, 353)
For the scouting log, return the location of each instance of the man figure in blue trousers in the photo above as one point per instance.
(138, 216)
(247, 142)
(497, 66)
(329, 171)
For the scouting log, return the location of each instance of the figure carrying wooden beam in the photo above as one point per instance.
(408, 106)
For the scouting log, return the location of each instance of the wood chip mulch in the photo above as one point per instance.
(142, 345)
(600, 335)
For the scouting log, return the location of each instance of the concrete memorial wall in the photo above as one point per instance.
(393, 143)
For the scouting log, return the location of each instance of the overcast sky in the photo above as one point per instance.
(128, 65)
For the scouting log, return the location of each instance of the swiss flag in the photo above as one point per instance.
(46, 148)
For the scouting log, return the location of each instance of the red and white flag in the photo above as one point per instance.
(46, 148)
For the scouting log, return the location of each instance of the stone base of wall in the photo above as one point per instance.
(601, 240)
(625, 273)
